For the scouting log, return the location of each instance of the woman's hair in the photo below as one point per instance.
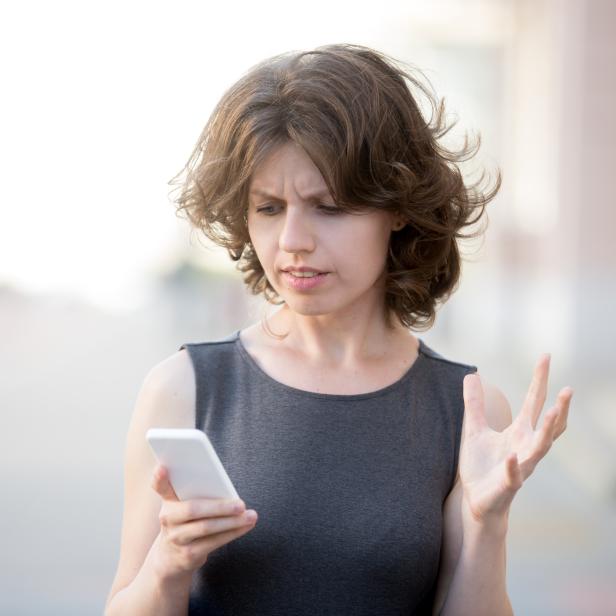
(353, 111)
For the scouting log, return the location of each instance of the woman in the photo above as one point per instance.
(381, 473)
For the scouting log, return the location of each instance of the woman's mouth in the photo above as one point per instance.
(303, 281)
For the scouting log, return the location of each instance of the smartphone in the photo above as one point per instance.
(195, 470)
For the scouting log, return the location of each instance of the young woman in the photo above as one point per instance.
(376, 475)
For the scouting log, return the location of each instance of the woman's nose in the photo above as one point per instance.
(296, 234)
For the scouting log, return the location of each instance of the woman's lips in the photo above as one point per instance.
(303, 283)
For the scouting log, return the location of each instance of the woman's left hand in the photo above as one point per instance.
(494, 465)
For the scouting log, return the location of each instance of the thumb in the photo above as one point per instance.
(474, 405)
(162, 485)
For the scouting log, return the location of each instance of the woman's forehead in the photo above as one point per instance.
(287, 166)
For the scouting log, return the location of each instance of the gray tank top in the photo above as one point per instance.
(349, 489)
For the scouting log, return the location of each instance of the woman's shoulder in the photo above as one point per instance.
(167, 394)
(173, 373)
(444, 360)
(207, 357)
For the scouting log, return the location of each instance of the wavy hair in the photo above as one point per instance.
(353, 110)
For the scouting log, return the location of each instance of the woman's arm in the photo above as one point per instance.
(479, 585)
(166, 399)
(149, 593)
(472, 577)
(473, 564)
(164, 539)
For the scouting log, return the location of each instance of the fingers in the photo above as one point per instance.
(187, 546)
(537, 391)
(201, 508)
(198, 529)
(475, 420)
(162, 485)
(513, 472)
(563, 400)
(554, 424)
(543, 439)
(213, 542)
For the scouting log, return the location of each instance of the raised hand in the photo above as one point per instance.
(494, 465)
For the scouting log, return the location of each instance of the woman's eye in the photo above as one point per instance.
(332, 210)
(266, 209)
(270, 210)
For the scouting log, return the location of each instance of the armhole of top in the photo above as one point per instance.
(188, 347)
(194, 351)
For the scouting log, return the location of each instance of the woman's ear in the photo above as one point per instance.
(397, 223)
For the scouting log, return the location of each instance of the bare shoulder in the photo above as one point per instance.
(497, 407)
(167, 393)
(498, 415)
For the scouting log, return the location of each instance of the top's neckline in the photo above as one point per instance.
(414, 367)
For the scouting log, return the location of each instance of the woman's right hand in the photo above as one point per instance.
(191, 530)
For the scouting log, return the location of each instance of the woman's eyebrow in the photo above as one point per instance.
(257, 192)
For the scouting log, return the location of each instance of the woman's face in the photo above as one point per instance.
(292, 223)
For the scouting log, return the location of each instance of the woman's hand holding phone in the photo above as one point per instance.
(191, 530)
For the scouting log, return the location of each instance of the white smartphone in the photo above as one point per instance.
(195, 470)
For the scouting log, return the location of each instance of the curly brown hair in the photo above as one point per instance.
(352, 110)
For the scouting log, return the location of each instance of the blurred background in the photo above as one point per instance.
(99, 280)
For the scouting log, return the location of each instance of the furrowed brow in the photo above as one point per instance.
(320, 194)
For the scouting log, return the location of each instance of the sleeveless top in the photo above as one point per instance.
(349, 489)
